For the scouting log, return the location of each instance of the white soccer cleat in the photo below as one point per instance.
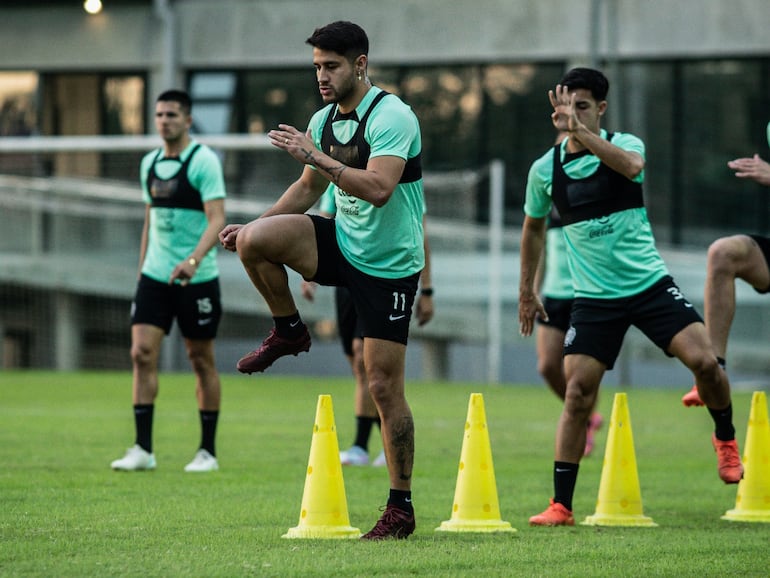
(136, 458)
(202, 462)
(355, 456)
(380, 461)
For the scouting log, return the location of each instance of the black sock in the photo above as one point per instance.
(364, 425)
(723, 420)
(143, 421)
(401, 499)
(564, 479)
(209, 430)
(289, 327)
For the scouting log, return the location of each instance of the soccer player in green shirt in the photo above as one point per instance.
(595, 180)
(367, 143)
(184, 191)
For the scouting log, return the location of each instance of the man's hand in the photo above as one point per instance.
(424, 311)
(184, 271)
(753, 168)
(293, 141)
(563, 103)
(228, 235)
(529, 307)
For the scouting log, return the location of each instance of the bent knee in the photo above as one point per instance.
(249, 240)
(727, 253)
(579, 400)
(705, 368)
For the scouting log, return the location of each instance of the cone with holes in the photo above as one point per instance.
(753, 501)
(476, 508)
(324, 512)
(620, 499)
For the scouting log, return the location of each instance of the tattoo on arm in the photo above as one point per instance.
(334, 171)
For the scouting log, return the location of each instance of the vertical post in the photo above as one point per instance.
(495, 308)
(435, 359)
(165, 14)
(594, 32)
(66, 331)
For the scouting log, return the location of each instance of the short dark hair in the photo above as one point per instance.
(341, 37)
(175, 95)
(589, 79)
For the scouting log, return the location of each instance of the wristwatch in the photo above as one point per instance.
(428, 291)
(192, 261)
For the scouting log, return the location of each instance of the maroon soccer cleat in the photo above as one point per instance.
(271, 349)
(394, 524)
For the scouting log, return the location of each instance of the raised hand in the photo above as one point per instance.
(563, 102)
(753, 168)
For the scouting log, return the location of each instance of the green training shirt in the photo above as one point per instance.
(174, 232)
(609, 257)
(327, 203)
(557, 280)
(385, 241)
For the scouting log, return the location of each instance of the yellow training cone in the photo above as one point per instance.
(324, 506)
(753, 501)
(476, 508)
(620, 499)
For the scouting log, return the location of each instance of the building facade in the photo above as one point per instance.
(690, 77)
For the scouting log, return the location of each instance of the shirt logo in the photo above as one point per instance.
(601, 232)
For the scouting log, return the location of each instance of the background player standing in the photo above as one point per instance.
(184, 191)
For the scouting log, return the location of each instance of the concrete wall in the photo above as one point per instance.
(132, 36)
(254, 33)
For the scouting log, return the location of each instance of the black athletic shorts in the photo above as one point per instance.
(598, 326)
(347, 319)
(558, 311)
(384, 306)
(197, 307)
(764, 246)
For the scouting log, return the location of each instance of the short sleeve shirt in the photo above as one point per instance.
(385, 241)
(609, 257)
(557, 281)
(328, 205)
(174, 232)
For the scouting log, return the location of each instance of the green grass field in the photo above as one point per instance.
(63, 512)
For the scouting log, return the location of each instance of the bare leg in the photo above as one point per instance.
(266, 245)
(550, 358)
(145, 351)
(584, 375)
(208, 389)
(730, 258)
(364, 404)
(693, 347)
(384, 362)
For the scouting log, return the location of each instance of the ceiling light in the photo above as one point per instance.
(92, 6)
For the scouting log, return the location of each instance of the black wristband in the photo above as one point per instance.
(428, 291)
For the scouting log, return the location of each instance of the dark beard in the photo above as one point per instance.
(344, 92)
